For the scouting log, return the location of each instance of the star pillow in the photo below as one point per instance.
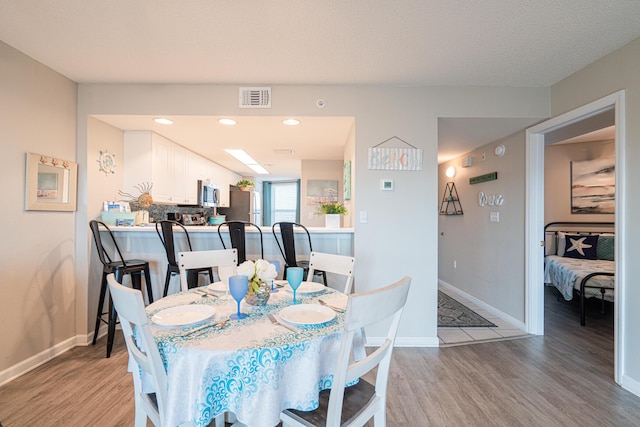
(582, 247)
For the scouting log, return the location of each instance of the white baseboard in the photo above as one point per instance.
(504, 316)
(405, 341)
(34, 361)
(630, 385)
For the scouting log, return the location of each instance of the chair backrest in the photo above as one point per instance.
(330, 263)
(237, 236)
(165, 233)
(143, 356)
(105, 259)
(286, 241)
(203, 259)
(364, 309)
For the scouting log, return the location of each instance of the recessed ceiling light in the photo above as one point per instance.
(259, 169)
(163, 121)
(291, 122)
(248, 161)
(228, 122)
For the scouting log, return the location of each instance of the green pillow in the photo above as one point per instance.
(605, 249)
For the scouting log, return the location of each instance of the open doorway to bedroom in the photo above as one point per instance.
(547, 134)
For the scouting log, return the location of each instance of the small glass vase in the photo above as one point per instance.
(261, 296)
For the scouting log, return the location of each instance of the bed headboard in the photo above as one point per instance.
(555, 232)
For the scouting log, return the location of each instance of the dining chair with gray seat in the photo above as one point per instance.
(143, 355)
(335, 264)
(195, 260)
(355, 404)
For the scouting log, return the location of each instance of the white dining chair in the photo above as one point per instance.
(130, 308)
(143, 355)
(358, 403)
(330, 263)
(202, 259)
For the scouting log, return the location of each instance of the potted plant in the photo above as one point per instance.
(332, 212)
(245, 185)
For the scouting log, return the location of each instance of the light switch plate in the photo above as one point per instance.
(364, 218)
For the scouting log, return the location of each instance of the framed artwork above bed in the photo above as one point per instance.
(593, 187)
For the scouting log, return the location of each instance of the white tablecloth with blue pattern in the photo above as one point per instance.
(250, 367)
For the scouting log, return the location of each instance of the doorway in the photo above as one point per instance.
(534, 216)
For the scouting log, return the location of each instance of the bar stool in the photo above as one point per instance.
(237, 236)
(288, 248)
(134, 267)
(165, 233)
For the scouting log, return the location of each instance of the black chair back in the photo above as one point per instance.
(165, 233)
(105, 259)
(237, 235)
(286, 242)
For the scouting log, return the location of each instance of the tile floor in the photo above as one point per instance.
(449, 337)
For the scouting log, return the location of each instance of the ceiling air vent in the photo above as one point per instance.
(255, 97)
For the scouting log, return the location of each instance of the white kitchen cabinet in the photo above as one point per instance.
(173, 170)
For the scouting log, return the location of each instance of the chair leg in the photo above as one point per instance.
(210, 275)
(112, 326)
(113, 315)
(147, 280)
(103, 291)
(166, 282)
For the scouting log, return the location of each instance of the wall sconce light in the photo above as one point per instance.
(451, 172)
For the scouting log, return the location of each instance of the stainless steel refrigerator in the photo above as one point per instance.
(244, 206)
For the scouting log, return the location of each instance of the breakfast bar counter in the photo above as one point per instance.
(142, 242)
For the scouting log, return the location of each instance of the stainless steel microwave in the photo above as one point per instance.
(208, 194)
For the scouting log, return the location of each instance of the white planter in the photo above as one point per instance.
(332, 220)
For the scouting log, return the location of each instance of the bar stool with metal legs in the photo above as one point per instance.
(121, 267)
(237, 237)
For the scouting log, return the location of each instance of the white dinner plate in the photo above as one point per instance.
(218, 286)
(183, 315)
(307, 288)
(307, 314)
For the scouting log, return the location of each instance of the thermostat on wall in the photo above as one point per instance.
(386, 184)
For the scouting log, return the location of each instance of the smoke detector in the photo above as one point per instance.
(255, 97)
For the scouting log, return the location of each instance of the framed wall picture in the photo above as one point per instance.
(51, 184)
(321, 191)
(346, 177)
(593, 186)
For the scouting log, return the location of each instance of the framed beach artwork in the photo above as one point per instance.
(321, 191)
(51, 184)
(593, 186)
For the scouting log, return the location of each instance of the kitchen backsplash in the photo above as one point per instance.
(158, 212)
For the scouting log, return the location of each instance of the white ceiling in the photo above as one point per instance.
(247, 42)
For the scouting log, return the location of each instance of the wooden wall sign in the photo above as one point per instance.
(483, 178)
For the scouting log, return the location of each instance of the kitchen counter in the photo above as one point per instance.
(142, 242)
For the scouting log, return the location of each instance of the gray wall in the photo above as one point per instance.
(37, 262)
(557, 178)
(489, 256)
(616, 71)
(400, 237)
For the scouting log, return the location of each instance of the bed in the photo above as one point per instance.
(579, 261)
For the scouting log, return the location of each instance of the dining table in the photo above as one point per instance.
(280, 356)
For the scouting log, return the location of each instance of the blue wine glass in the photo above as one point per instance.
(276, 264)
(238, 286)
(294, 277)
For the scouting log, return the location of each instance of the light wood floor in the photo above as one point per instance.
(562, 379)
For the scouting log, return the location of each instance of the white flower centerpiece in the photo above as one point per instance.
(260, 274)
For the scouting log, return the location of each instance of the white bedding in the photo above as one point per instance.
(567, 273)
